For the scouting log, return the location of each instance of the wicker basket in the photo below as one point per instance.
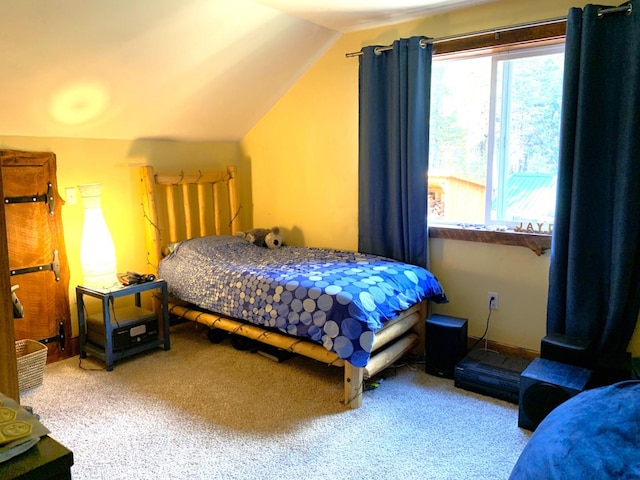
(31, 357)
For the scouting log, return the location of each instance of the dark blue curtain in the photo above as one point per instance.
(594, 287)
(394, 143)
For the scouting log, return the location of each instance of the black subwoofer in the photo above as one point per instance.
(445, 344)
(544, 385)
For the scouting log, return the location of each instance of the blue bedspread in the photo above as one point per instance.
(337, 298)
(594, 435)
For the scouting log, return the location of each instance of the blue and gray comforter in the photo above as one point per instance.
(337, 298)
(593, 435)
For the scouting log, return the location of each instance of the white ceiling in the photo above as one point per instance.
(181, 69)
(352, 15)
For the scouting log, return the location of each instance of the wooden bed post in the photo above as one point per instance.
(234, 205)
(202, 217)
(186, 205)
(171, 213)
(353, 385)
(151, 226)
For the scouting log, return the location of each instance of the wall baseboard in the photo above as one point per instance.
(504, 349)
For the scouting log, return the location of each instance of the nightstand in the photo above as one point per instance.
(46, 459)
(120, 332)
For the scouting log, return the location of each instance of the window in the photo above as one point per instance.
(494, 136)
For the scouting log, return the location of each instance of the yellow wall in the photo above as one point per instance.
(303, 156)
(108, 162)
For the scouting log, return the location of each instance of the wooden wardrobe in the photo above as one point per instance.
(8, 365)
(36, 249)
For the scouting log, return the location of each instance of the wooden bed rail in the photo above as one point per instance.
(398, 337)
(182, 208)
(254, 332)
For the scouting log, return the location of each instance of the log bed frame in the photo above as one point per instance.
(202, 193)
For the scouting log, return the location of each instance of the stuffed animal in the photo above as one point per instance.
(263, 237)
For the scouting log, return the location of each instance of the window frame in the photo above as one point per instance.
(492, 42)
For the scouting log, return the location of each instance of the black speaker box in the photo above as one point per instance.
(611, 368)
(565, 349)
(544, 385)
(445, 344)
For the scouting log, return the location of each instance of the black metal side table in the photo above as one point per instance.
(139, 339)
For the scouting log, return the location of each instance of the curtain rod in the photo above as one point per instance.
(426, 41)
(628, 8)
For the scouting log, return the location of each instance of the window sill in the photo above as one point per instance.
(539, 243)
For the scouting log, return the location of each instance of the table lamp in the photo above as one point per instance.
(97, 253)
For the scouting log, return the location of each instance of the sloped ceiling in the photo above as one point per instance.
(180, 69)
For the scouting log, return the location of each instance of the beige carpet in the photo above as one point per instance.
(207, 411)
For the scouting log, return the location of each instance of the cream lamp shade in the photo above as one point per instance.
(97, 253)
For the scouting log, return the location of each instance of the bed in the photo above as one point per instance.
(592, 435)
(346, 309)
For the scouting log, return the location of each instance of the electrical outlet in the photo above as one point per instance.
(492, 300)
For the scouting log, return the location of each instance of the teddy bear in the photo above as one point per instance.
(263, 237)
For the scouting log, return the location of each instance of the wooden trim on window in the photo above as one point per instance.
(537, 242)
(498, 40)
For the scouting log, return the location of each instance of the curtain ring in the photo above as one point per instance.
(627, 9)
(377, 51)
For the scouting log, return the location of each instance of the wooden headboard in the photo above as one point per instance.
(187, 205)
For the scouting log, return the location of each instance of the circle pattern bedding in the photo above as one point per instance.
(334, 297)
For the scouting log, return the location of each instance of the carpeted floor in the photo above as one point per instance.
(207, 411)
